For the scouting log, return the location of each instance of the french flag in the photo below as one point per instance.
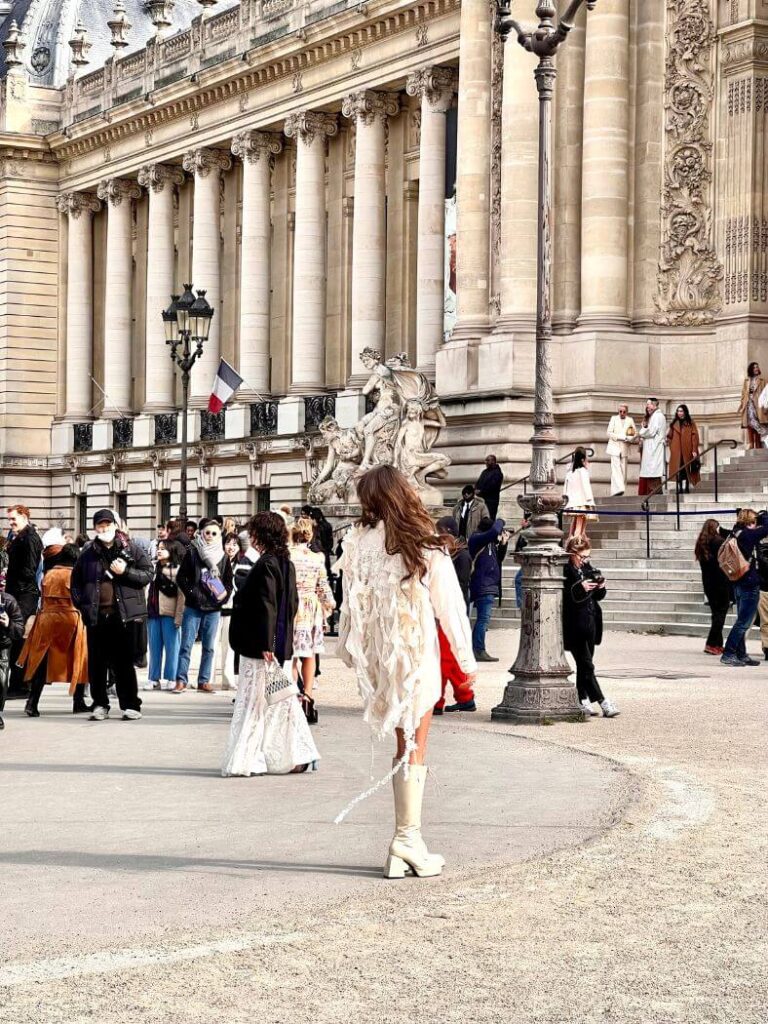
(225, 384)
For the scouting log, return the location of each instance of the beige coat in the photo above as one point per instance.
(762, 414)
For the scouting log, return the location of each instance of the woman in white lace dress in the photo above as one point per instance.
(266, 738)
(315, 602)
(398, 581)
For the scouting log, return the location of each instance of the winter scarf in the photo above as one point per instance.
(210, 554)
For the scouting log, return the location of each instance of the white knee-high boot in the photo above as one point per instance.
(408, 849)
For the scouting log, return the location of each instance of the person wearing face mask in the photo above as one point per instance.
(165, 606)
(22, 582)
(205, 579)
(107, 586)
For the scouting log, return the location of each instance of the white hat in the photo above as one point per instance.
(53, 537)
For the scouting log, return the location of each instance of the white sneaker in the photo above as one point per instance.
(98, 714)
(131, 716)
(169, 684)
(151, 686)
(609, 710)
(587, 705)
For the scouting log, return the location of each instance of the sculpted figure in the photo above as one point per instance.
(334, 483)
(379, 426)
(412, 454)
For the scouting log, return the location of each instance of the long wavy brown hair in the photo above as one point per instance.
(709, 532)
(387, 497)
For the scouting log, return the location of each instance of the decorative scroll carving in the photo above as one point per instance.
(113, 191)
(308, 124)
(251, 146)
(212, 425)
(166, 428)
(316, 408)
(202, 161)
(122, 433)
(74, 203)
(82, 437)
(497, 90)
(436, 84)
(689, 272)
(157, 176)
(368, 106)
(263, 419)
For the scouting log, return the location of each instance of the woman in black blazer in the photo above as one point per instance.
(583, 622)
(266, 738)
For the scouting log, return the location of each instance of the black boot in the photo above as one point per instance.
(79, 707)
(765, 652)
(30, 708)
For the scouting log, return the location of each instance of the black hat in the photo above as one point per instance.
(447, 525)
(104, 515)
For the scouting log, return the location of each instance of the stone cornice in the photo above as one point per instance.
(743, 47)
(202, 90)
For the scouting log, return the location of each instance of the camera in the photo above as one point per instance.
(126, 557)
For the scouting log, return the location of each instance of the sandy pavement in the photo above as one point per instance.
(659, 917)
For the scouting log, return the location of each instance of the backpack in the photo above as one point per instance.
(731, 560)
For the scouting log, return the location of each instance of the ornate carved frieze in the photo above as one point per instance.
(437, 84)
(263, 419)
(308, 125)
(157, 176)
(212, 425)
(689, 272)
(82, 437)
(166, 428)
(368, 106)
(316, 408)
(122, 433)
(75, 203)
(252, 146)
(201, 162)
(113, 191)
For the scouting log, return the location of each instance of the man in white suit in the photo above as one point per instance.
(653, 436)
(621, 430)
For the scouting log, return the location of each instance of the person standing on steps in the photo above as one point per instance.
(754, 415)
(717, 586)
(108, 586)
(469, 511)
(398, 583)
(583, 623)
(684, 447)
(621, 432)
(488, 549)
(577, 489)
(11, 630)
(488, 486)
(22, 581)
(652, 434)
(748, 531)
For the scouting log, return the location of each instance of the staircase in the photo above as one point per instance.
(662, 594)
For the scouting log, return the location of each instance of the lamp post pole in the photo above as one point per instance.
(187, 326)
(539, 690)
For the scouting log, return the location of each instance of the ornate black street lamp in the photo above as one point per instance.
(540, 690)
(187, 324)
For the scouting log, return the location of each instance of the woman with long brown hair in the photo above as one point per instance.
(399, 582)
(717, 587)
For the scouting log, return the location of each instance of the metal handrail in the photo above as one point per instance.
(558, 462)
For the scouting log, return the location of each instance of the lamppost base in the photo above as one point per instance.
(539, 704)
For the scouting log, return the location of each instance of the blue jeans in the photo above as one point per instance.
(483, 608)
(164, 637)
(747, 598)
(203, 624)
(519, 588)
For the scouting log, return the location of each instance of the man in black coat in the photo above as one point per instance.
(22, 580)
(108, 586)
(488, 486)
(11, 632)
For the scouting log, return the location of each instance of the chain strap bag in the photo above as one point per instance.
(277, 685)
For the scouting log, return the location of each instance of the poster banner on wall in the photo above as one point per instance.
(449, 298)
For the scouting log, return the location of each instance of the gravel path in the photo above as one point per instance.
(660, 919)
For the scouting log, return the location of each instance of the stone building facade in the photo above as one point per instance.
(292, 160)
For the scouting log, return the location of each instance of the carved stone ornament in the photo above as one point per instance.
(201, 162)
(166, 428)
(74, 203)
(212, 425)
(79, 45)
(263, 419)
(157, 176)
(161, 13)
(122, 433)
(113, 191)
(368, 106)
(437, 84)
(13, 46)
(119, 26)
(689, 272)
(252, 146)
(82, 437)
(308, 125)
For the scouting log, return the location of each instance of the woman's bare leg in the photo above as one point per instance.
(308, 674)
(418, 755)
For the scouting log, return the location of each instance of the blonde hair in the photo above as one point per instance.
(746, 517)
(302, 530)
(577, 544)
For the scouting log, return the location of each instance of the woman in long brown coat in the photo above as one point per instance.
(684, 445)
(56, 650)
(754, 419)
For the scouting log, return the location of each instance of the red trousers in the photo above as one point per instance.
(451, 673)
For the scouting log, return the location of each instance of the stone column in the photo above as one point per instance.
(207, 165)
(369, 110)
(117, 194)
(473, 181)
(435, 87)
(310, 130)
(256, 150)
(605, 182)
(160, 181)
(80, 207)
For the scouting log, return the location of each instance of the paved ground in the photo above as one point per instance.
(624, 887)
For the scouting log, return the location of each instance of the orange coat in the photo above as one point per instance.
(58, 633)
(683, 443)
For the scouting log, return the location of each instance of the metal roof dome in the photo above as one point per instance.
(48, 25)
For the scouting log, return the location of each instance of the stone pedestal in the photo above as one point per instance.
(290, 415)
(350, 407)
(237, 422)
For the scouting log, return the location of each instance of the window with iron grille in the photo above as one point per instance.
(262, 499)
(164, 505)
(212, 502)
(122, 505)
(82, 514)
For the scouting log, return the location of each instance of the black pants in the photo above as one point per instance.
(5, 675)
(111, 647)
(718, 609)
(586, 682)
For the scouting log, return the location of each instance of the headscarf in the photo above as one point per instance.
(210, 553)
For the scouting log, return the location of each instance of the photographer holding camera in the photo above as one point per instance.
(583, 622)
(108, 586)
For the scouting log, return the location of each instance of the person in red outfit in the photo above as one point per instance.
(463, 693)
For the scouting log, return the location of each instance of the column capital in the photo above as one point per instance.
(113, 191)
(436, 84)
(368, 106)
(251, 146)
(201, 162)
(154, 177)
(74, 203)
(308, 125)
